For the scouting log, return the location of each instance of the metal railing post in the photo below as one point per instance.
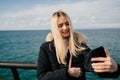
(17, 65)
(15, 74)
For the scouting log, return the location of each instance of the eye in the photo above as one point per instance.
(60, 25)
(67, 24)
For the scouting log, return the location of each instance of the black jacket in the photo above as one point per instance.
(48, 67)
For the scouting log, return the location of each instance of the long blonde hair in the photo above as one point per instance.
(74, 38)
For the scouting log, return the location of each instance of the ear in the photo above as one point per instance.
(49, 37)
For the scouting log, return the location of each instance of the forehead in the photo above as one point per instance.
(62, 19)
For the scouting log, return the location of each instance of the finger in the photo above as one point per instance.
(80, 72)
(70, 61)
(101, 66)
(101, 70)
(106, 63)
(78, 69)
(106, 52)
(98, 59)
(98, 64)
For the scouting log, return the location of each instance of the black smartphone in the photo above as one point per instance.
(98, 52)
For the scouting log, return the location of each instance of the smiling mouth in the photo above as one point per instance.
(65, 32)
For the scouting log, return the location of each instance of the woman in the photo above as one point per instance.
(66, 55)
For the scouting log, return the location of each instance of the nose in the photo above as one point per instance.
(64, 26)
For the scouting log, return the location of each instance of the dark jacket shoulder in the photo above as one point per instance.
(48, 46)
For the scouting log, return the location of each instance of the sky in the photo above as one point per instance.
(36, 14)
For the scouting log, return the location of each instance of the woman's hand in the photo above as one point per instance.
(106, 64)
(74, 71)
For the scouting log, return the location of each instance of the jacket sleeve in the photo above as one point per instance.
(87, 60)
(44, 69)
(118, 71)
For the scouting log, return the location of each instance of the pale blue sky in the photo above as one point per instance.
(35, 14)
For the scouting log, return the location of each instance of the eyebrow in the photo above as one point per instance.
(64, 22)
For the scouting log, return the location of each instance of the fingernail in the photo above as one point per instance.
(92, 59)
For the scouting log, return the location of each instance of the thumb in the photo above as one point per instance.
(70, 61)
(106, 52)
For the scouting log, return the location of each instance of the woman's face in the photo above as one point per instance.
(63, 26)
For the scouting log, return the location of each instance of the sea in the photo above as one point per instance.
(23, 46)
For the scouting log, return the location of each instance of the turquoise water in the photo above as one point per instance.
(23, 46)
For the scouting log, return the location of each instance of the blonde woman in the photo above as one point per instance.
(65, 55)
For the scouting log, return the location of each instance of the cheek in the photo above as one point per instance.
(60, 30)
(68, 28)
